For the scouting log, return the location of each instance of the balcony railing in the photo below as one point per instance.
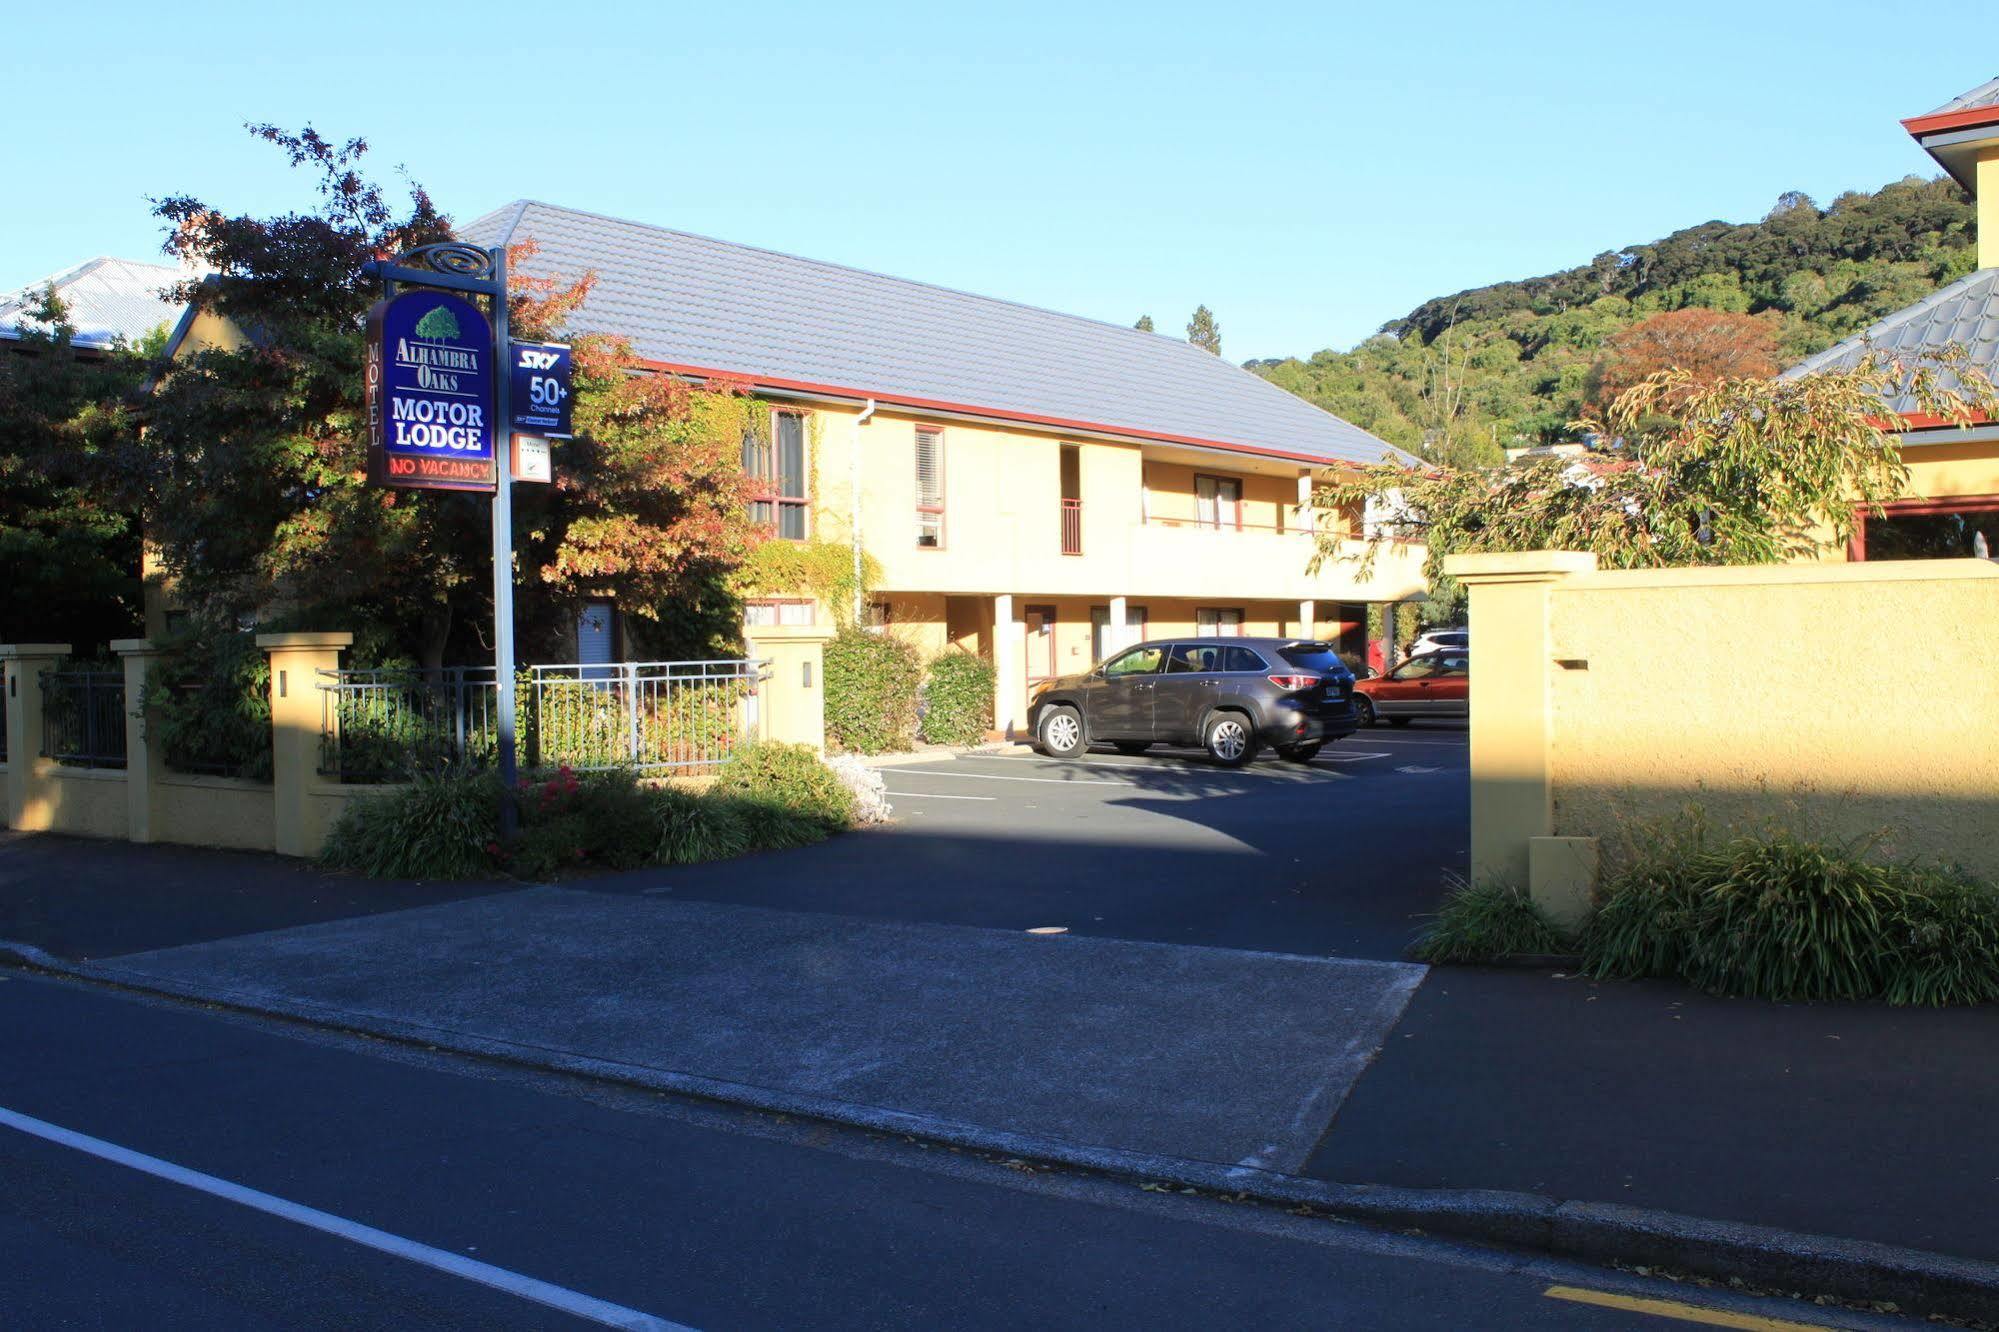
(1072, 527)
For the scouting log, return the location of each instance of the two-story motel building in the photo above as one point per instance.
(1034, 486)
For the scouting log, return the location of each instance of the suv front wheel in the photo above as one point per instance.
(1229, 739)
(1061, 732)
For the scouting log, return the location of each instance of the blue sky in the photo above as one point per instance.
(1307, 171)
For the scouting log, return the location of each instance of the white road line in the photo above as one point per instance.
(513, 1283)
(1348, 756)
(933, 795)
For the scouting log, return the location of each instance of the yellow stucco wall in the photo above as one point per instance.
(88, 802)
(1003, 519)
(213, 811)
(1838, 700)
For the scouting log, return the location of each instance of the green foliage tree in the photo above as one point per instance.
(252, 481)
(1144, 324)
(1738, 471)
(1463, 376)
(69, 561)
(1204, 332)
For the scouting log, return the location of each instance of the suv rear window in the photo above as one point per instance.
(1313, 657)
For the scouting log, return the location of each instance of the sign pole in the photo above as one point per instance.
(503, 551)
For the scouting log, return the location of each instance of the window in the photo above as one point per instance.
(758, 614)
(1138, 661)
(1242, 659)
(1218, 622)
(1218, 501)
(1931, 530)
(1100, 629)
(1193, 659)
(879, 615)
(929, 488)
(595, 644)
(777, 471)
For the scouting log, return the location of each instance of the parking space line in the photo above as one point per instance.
(933, 795)
(579, 1305)
(1348, 756)
(995, 777)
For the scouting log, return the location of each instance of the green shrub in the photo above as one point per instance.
(958, 700)
(592, 820)
(209, 702)
(1785, 917)
(691, 828)
(871, 687)
(1480, 922)
(790, 777)
(442, 825)
(771, 825)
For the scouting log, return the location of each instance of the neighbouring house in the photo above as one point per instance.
(1034, 486)
(1952, 508)
(112, 302)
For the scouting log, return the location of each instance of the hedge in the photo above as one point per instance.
(872, 682)
(958, 700)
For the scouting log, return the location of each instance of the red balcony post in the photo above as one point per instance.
(1072, 527)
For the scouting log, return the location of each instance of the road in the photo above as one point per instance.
(604, 1207)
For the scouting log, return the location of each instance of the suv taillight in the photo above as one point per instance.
(1294, 681)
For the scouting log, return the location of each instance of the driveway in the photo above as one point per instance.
(1341, 857)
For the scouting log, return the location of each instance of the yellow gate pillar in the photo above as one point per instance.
(792, 700)
(296, 721)
(145, 756)
(30, 777)
(1511, 722)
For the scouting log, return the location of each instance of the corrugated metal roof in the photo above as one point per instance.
(108, 299)
(688, 300)
(1966, 313)
(1985, 94)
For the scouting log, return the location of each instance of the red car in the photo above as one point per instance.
(1436, 685)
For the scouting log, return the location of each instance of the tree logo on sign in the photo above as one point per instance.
(440, 325)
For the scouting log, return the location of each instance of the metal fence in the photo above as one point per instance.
(653, 716)
(83, 718)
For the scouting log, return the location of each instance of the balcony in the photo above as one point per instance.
(1072, 527)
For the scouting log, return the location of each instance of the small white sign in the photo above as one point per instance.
(532, 461)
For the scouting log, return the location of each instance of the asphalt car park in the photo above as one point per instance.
(1344, 855)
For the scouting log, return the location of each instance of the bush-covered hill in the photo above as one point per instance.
(1461, 377)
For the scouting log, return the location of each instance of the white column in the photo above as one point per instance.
(1119, 636)
(1009, 669)
(1305, 514)
(1308, 616)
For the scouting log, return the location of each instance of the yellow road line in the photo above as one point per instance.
(1686, 1313)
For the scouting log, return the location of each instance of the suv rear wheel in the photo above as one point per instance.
(1229, 739)
(1061, 732)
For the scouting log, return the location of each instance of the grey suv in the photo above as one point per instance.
(1229, 695)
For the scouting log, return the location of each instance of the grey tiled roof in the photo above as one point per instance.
(108, 299)
(1965, 313)
(691, 301)
(1985, 94)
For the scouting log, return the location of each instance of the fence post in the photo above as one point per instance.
(1512, 799)
(792, 702)
(296, 720)
(30, 777)
(145, 758)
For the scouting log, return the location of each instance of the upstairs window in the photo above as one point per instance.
(929, 488)
(776, 467)
(1218, 502)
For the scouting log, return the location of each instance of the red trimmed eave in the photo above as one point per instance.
(1952, 120)
(1924, 421)
(992, 413)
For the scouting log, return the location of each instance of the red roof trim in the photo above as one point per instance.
(1950, 120)
(994, 413)
(1928, 421)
